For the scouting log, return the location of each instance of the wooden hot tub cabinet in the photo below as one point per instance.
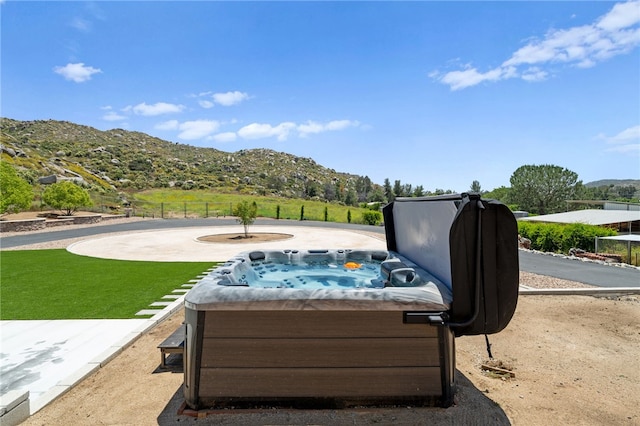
(335, 357)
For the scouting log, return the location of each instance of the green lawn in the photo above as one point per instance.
(171, 203)
(55, 284)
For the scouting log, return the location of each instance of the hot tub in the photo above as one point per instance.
(353, 326)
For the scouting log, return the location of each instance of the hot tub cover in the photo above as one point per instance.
(470, 245)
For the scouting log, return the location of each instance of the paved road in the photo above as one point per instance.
(151, 224)
(586, 272)
(577, 270)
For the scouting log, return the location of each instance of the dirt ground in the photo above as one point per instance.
(576, 360)
(251, 238)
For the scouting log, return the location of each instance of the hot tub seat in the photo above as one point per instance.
(225, 289)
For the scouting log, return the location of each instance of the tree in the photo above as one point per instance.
(398, 189)
(329, 192)
(542, 189)
(376, 195)
(475, 187)
(351, 199)
(626, 192)
(501, 194)
(419, 191)
(388, 191)
(246, 213)
(15, 193)
(363, 188)
(66, 196)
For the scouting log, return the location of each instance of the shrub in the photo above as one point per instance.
(560, 238)
(371, 217)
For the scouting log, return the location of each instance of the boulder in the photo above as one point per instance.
(9, 151)
(48, 180)
(524, 243)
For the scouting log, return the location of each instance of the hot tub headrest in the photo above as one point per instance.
(469, 244)
(396, 273)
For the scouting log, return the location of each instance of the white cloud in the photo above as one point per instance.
(615, 33)
(310, 127)
(622, 15)
(470, 77)
(167, 125)
(156, 109)
(632, 148)
(229, 98)
(197, 129)
(283, 130)
(534, 74)
(206, 129)
(81, 24)
(313, 127)
(627, 141)
(225, 137)
(113, 116)
(259, 131)
(630, 134)
(206, 104)
(77, 72)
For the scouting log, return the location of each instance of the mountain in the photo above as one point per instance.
(119, 159)
(614, 182)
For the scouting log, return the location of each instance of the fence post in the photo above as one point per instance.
(230, 209)
(185, 209)
(162, 210)
(206, 210)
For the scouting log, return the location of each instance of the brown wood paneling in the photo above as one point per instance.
(304, 324)
(319, 382)
(361, 352)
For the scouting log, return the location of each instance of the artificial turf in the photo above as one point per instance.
(56, 284)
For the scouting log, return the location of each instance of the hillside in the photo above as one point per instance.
(613, 182)
(120, 159)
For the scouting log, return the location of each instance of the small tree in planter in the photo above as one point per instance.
(66, 196)
(246, 214)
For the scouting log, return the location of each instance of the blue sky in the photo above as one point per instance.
(437, 94)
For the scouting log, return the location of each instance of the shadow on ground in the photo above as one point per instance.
(471, 407)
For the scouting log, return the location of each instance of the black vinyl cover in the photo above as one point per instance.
(482, 267)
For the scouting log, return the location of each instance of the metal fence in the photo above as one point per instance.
(169, 210)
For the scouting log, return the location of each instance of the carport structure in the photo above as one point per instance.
(623, 221)
(629, 238)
